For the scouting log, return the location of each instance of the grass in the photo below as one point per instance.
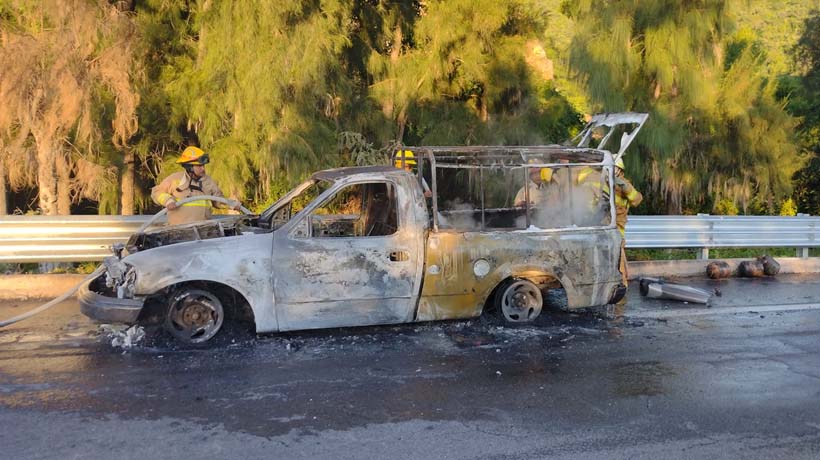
(721, 253)
(72, 268)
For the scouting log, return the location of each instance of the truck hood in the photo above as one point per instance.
(612, 121)
(216, 228)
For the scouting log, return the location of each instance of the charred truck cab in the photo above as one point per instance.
(364, 246)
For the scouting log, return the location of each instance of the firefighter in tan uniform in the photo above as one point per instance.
(191, 181)
(626, 196)
(541, 190)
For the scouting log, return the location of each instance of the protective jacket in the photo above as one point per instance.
(626, 195)
(179, 185)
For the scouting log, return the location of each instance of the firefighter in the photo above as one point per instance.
(406, 160)
(540, 192)
(626, 196)
(191, 181)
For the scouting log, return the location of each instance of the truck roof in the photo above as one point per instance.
(498, 155)
(337, 173)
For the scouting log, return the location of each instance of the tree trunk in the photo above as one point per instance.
(127, 198)
(46, 179)
(63, 186)
(4, 206)
(395, 52)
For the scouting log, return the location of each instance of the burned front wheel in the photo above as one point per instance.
(194, 315)
(518, 301)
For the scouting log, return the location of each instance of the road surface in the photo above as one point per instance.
(657, 379)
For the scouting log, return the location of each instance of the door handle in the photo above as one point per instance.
(399, 256)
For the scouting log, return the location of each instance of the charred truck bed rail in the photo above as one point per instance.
(34, 239)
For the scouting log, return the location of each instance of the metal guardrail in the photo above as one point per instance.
(63, 238)
(88, 238)
(705, 232)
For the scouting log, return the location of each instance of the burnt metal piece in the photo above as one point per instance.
(646, 281)
(204, 230)
(656, 288)
(751, 269)
(718, 270)
(677, 292)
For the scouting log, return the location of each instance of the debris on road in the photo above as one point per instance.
(123, 336)
(718, 270)
(750, 269)
(657, 288)
(771, 267)
(764, 265)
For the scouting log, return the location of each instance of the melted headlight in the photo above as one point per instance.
(120, 277)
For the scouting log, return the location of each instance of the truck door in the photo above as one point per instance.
(351, 260)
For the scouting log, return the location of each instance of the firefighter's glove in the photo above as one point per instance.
(620, 182)
(171, 205)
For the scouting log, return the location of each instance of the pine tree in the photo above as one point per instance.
(803, 96)
(716, 130)
(69, 102)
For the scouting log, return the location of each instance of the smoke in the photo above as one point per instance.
(564, 202)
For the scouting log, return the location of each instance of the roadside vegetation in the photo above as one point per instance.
(99, 97)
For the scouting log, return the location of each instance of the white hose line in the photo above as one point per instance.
(54, 302)
(100, 269)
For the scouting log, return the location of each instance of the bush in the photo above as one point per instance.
(788, 208)
(726, 207)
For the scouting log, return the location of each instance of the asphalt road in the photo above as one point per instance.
(657, 380)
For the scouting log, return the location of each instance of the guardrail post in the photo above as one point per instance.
(803, 253)
(703, 252)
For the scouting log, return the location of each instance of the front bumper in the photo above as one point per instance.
(107, 309)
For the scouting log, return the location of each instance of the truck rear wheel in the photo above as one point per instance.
(518, 301)
(194, 315)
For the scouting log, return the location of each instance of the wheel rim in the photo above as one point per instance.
(194, 316)
(521, 302)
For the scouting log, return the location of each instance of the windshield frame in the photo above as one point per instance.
(286, 199)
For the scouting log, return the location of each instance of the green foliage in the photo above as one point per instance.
(343, 82)
(802, 93)
(726, 207)
(778, 25)
(788, 208)
(274, 90)
(716, 129)
(69, 103)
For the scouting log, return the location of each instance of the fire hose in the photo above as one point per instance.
(100, 269)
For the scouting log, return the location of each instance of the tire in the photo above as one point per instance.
(518, 301)
(194, 316)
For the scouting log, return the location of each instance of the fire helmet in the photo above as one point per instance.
(407, 156)
(193, 156)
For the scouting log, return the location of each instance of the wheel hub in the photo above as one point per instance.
(521, 302)
(194, 316)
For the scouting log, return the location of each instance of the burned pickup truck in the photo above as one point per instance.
(455, 232)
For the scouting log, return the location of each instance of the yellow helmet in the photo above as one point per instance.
(546, 174)
(407, 155)
(193, 156)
